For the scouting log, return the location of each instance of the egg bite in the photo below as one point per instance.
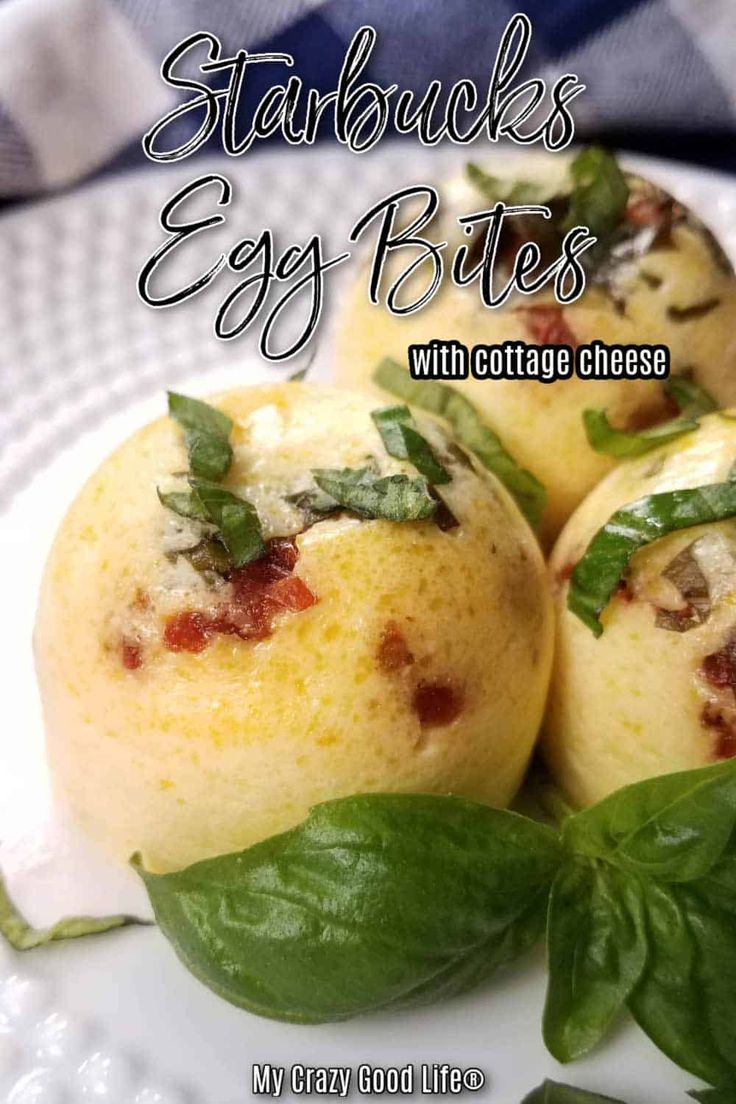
(656, 691)
(193, 708)
(661, 278)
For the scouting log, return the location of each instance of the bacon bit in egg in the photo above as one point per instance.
(393, 651)
(436, 703)
(725, 729)
(547, 326)
(260, 590)
(719, 668)
(131, 654)
(564, 573)
(141, 600)
(624, 591)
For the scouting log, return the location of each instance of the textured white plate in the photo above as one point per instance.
(82, 362)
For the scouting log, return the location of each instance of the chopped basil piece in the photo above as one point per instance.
(298, 377)
(391, 497)
(236, 520)
(695, 310)
(621, 443)
(314, 504)
(448, 403)
(691, 398)
(607, 557)
(404, 441)
(209, 558)
(598, 199)
(207, 433)
(23, 937)
(685, 573)
(184, 503)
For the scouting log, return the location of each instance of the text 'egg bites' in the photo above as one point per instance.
(422, 664)
(668, 284)
(655, 692)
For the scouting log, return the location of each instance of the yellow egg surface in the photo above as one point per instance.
(422, 664)
(676, 290)
(653, 693)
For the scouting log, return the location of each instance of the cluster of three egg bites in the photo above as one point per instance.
(194, 707)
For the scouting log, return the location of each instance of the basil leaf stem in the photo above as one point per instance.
(391, 497)
(630, 528)
(471, 432)
(23, 937)
(235, 518)
(403, 440)
(374, 901)
(206, 432)
(623, 444)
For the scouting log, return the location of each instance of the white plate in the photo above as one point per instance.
(82, 362)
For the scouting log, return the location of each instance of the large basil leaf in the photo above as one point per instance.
(685, 999)
(207, 433)
(23, 937)
(624, 444)
(554, 1092)
(391, 497)
(373, 901)
(469, 429)
(715, 1096)
(597, 949)
(607, 557)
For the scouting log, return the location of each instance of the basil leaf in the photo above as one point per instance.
(514, 193)
(597, 950)
(685, 999)
(391, 497)
(23, 937)
(197, 415)
(207, 432)
(235, 518)
(672, 828)
(374, 901)
(622, 444)
(666, 848)
(298, 377)
(607, 557)
(598, 199)
(715, 1096)
(403, 440)
(686, 574)
(554, 1092)
(470, 430)
(184, 503)
(208, 558)
(691, 398)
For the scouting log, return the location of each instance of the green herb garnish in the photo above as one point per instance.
(691, 398)
(470, 430)
(360, 490)
(403, 440)
(554, 1092)
(236, 520)
(184, 503)
(206, 432)
(623, 444)
(23, 937)
(607, 557)
(374, 901)
(598, 198)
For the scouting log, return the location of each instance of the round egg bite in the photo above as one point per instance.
(193, 709)
(655, 693)
(666, 281)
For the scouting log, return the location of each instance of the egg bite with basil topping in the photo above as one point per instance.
(279, 597)
(656, 276)
(655, 691)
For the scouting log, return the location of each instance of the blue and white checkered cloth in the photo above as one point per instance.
(80, 83)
